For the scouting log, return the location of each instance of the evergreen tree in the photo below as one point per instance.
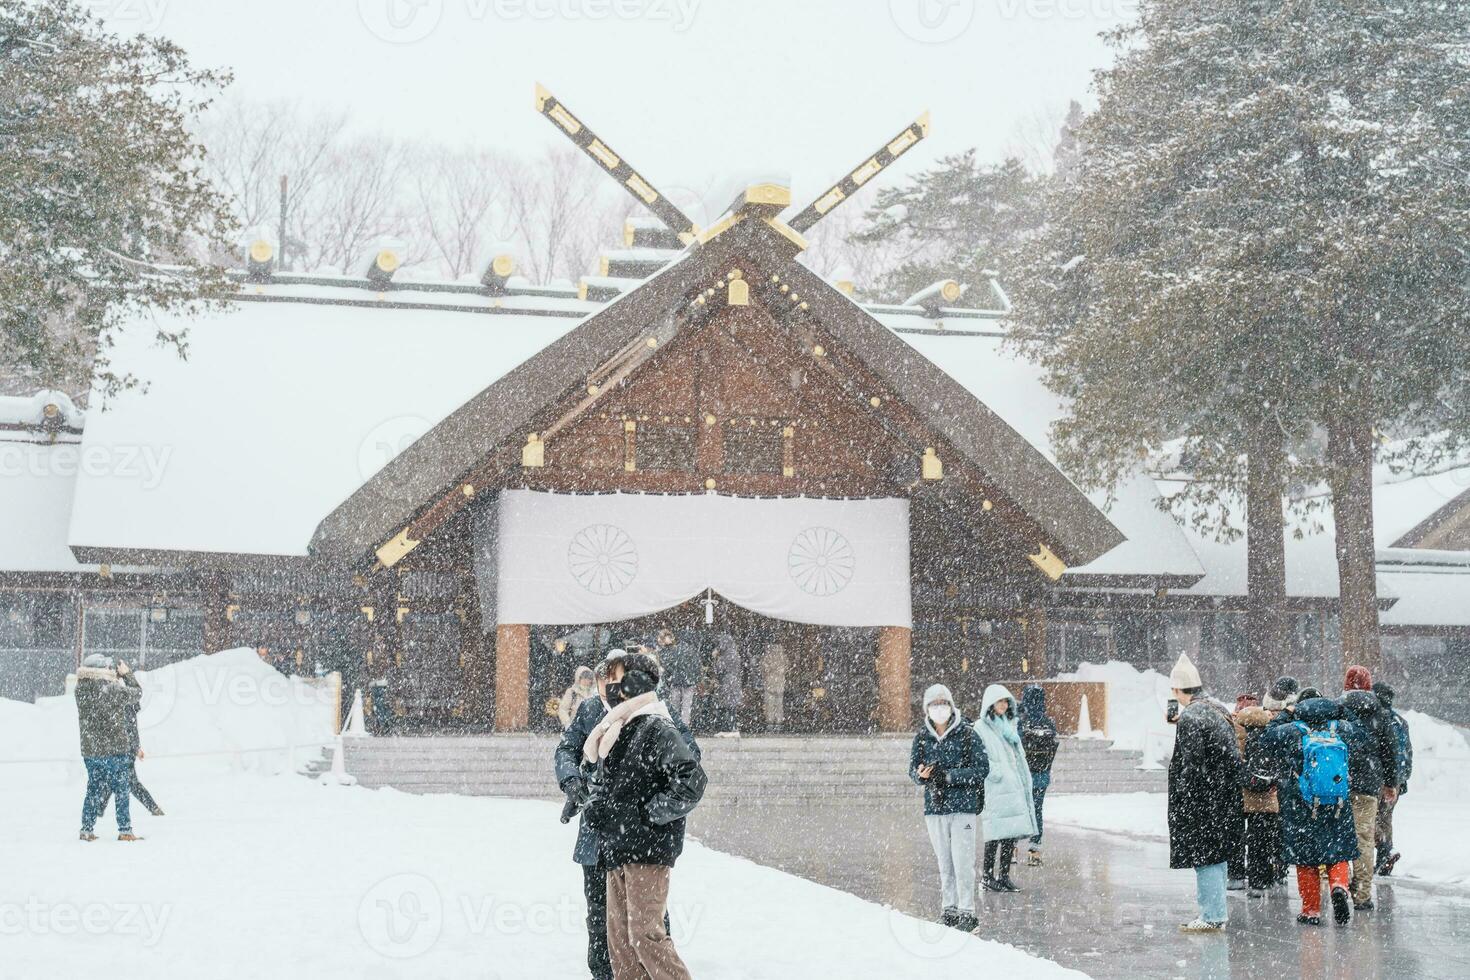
(960, 220)
(103, 209)
(1264, 232)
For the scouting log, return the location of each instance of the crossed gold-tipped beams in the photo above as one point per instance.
(763, 194)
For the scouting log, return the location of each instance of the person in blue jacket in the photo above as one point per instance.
(572, 776)
(948, 760)
(1315, 835)
(1039, 740)
(1009, 813)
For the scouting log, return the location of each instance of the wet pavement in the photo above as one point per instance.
(1103, 904)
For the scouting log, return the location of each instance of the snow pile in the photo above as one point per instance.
(1441, 757)
(1137, 701)
(225, 710)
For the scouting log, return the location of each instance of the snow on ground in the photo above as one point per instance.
(261, 873)
(1428, 823)
(1137, 701)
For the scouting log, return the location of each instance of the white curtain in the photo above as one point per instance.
(597, 558)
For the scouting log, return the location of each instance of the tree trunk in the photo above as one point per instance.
(1266, 624)
(1350, 452)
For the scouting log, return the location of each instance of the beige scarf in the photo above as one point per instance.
(600, 740)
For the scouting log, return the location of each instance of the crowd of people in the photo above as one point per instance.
(1294, 780)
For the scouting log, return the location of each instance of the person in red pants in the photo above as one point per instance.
(1309, 749)
(1309, 884)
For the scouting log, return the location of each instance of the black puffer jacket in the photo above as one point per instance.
(107, 716)
(1369, 772)
(649, 783)
(1205, 816)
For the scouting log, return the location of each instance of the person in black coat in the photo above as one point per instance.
(1387, 857)
(1205, 776)
(135, 749)
(647, 781)
(1039, 741)
(103, 696)
(572, 775)
(1314, 835)
(1375, 774)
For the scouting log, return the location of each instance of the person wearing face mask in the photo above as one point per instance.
(574, 775)
(1010, 806)
(948, 760)
(646, 782)
(582, 688)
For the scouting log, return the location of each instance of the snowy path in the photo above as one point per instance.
(275, 877)
(1108, 905)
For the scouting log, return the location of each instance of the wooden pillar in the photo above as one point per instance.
(214, 598)
(1035, 632)
(512, 677)
(894, 687)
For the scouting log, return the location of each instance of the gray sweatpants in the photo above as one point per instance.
(953, 837)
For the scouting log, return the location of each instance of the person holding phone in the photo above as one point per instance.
(948, 759)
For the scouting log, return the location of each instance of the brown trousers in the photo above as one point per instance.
(637, 944)
(1365, 822)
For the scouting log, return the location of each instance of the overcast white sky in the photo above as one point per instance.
(685, 89)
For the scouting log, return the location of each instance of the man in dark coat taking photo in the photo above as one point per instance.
(104, 696)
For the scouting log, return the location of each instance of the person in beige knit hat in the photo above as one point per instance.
(1205, 819)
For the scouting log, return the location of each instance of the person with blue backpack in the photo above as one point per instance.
(1312, 747)
(948, 760)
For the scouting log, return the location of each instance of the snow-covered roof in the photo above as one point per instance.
(36, 484)
(972, 352)
(1429, 595)
(281, 410)
(30, 411)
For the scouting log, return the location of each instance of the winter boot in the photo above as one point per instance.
(1385, 867)
(967, 922)
(1033, 858)
(1308, 920)
(129, 835)
(87, 835)
(1200, 925)
(1007, 885)
(157, 811)
(1342, 912)
(992, 884)
(951, 918)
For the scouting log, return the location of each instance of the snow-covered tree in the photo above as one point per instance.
(1263, 231)
(103, 208)
(956, 221)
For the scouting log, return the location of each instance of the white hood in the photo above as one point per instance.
(994, 693)
(938, 692)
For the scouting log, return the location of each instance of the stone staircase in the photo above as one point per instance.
(794, 770)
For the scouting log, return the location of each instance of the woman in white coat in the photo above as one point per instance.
(1010, 811)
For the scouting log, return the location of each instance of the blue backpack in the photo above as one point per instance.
(1324, 777)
